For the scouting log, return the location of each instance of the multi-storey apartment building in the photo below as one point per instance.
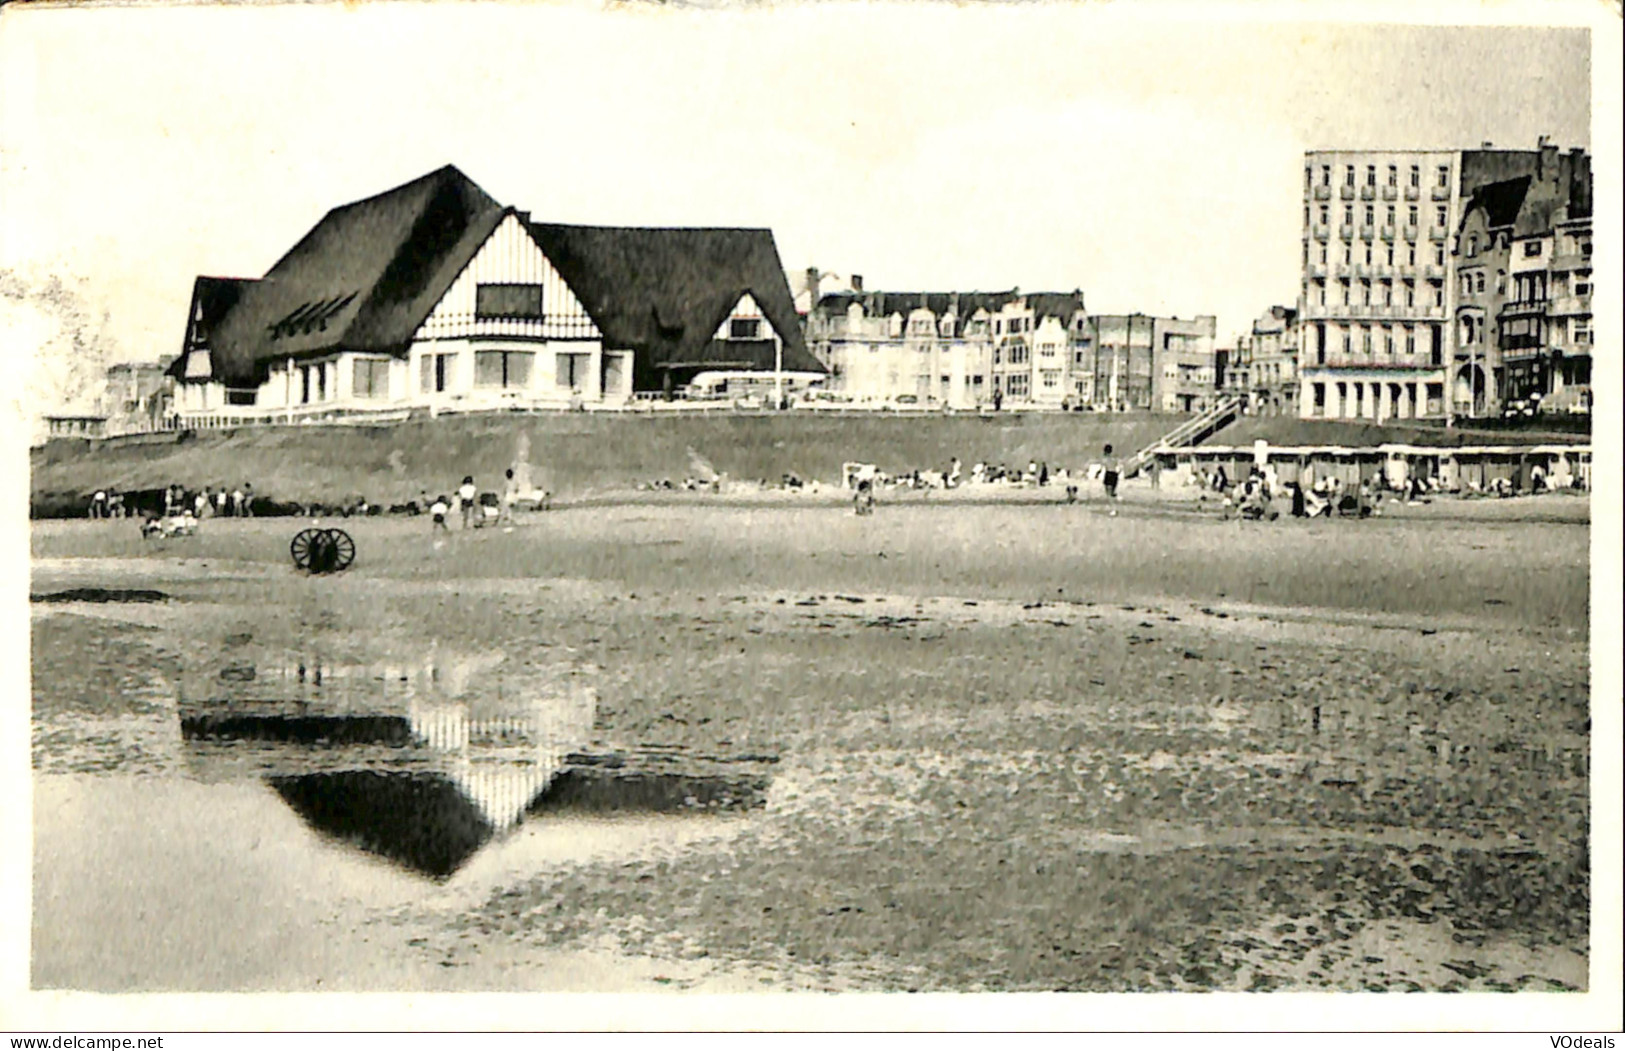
(1268, 357)
(1011, 349)
(1378, 294)
(1523, 316)
(956, 349)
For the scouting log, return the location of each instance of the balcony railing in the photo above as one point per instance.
(1440, 193)
(1368, 193)
(1389, 193)
(1570, 305)
(1523, 308)
(1388, 233)
(1571, 261)
(1410, 234)
(1323, 193)
(1412, 193)
(1322, 232)
(1345, 232)
(1368, 232)
(1438, 234)
(1347, 193)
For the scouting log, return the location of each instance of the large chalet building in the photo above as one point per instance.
(433, 296)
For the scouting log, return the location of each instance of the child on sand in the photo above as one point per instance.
(1112, 468)
(466, 495)
(439, 509)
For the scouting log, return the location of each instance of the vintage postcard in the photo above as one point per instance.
(946, 501)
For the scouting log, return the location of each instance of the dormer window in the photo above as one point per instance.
(744, 328)
(508, 302)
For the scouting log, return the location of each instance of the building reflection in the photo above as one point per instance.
(418, 766)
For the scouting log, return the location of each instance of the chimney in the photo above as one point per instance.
(857, 283)
(812, 289)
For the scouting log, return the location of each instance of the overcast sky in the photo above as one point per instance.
(1154, 165)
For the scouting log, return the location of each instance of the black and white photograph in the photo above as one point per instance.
(716, 503)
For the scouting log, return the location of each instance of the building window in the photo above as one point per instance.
(744, 328)
(1582, 330)
(1365, 341)
(508, 302)
(1410, 340)
(1308, 178)
(1410, 254)
(1365, 293)
(1416, 176)
(1531, 249)
(1480, 282)
(1390, 220)
(1325, 214)
(1410, 293)
(1052, 380)
(1320, 292)
(1348, 215)
(1371, 175)
(1438, 293)
(1370, 214)
(1343, 297)
(506, 369)
(1411, 216)
(1472, 246)
(1368, 254)
(1393, 175)
(1348, 175)
(1323, 252)
(1348, 254)
(1387, 293)
(1390, 255)
(1325, 175)
(1444, 175)
(1441, 215)
(434, 373)
(1348, 344)
(371, 379)
(241, 397)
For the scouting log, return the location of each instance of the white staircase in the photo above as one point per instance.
(1190, 432)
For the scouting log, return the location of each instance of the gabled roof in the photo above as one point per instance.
(884, 304)
(364, 278)
(663, 292)
(212, 299)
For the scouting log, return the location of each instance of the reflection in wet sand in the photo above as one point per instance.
(396, 763)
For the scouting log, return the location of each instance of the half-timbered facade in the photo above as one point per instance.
(434, 297)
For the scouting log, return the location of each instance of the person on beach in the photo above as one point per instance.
(438, 511)
(952, 481)
(248, 499)
(1112, 467)
(863, 498)
(237, 503)
(220, 499)
(202, 503)
(98, 504)
(1153, 471)
(467, 494)
(510, 498)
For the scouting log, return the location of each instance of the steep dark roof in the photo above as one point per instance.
(364, 278)
(664, 292)
(212, 299)
(1500, 201)
(1063, 305)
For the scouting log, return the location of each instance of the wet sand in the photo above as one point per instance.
(1015, 753)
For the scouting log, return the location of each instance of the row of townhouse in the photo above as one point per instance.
(1388, 325)
(966, 350)
(434, 296)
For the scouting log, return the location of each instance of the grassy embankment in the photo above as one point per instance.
(582, 455)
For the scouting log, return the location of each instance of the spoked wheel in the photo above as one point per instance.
(343, 549)
(303, 541)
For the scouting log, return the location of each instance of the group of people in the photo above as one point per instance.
(466, 503)
(210, 502)
(1108, 471)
